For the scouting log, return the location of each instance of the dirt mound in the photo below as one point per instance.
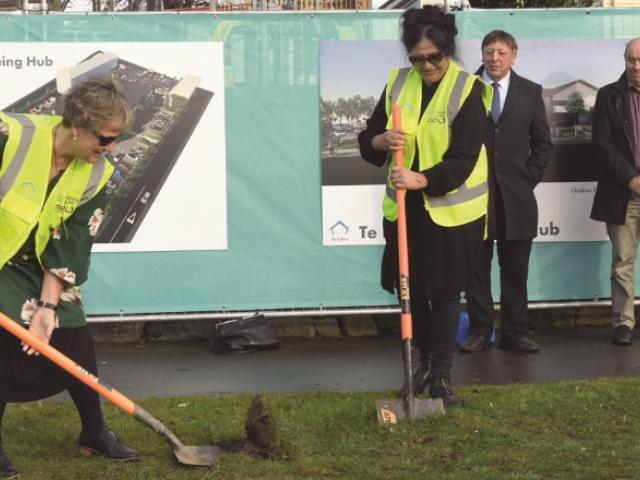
(262, 438)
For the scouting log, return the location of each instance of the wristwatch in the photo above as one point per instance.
(50, 306)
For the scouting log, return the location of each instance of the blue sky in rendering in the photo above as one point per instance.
(349, 68)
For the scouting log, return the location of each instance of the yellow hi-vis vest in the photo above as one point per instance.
(24, 178)
(432, 135)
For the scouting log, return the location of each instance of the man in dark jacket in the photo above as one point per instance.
(518, 146)
(616, 119)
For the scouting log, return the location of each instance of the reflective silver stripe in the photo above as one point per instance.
(94, 180)
(28, 129)
(397, 84)
(395, 91)
(391, 193)
(454, 100)
(464, 194)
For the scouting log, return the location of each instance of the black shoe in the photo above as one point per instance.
(7, 469)
(622, 336)
(107, 444)
(475, 343)
(440, 387)
(517, 343)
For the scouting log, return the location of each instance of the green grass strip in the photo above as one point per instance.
(569, 430)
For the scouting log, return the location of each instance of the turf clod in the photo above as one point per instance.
(261, 437)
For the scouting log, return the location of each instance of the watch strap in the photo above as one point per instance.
(50, 306)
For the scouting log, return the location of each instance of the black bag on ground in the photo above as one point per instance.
(246, 334)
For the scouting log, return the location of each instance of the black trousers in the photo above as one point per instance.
(435, 324)
(513, 257)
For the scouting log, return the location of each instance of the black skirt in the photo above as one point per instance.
(24, 378)
(441, 259)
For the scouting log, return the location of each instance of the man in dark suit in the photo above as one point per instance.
(616, 120)
(518, 146)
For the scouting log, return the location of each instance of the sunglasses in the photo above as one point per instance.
(419, 60)
(104, 141)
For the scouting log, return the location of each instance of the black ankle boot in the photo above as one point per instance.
(7, 469)
(107, 444)
(440, 387)
(421, 373)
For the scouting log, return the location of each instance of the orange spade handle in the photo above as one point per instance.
(403, 249)
(68, 365)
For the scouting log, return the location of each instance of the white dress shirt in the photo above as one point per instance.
(503, 85)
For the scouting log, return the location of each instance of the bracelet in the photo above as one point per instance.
(50, 306)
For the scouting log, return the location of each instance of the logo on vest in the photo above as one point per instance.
(27, 187)
(66, 205)
(438, 117)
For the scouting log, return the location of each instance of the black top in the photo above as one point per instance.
(443, 265)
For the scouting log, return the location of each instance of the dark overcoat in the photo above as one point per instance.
(612, 138)
(518, 147)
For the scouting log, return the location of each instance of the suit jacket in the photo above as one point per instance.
(612, 138)
(518, 148)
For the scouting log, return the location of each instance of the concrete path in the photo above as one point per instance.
(350, 364)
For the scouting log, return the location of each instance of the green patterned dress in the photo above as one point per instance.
(67, 255)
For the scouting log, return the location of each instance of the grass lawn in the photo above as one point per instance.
(569, 430)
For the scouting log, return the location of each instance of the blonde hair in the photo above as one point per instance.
(94, 102)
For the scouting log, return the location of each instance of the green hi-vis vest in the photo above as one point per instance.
(432, 135)
(24, 178)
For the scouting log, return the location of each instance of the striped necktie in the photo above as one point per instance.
(495, 104)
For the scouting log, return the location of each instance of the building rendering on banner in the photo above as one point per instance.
(569, 108)
(167, 109)
(558, 99)
(100, 64)
(186, 86)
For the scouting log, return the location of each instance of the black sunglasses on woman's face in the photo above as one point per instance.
(419, 60)
(104, 141)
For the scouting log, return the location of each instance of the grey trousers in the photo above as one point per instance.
(624, 243)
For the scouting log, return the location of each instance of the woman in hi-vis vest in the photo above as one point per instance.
(443, 109)
(52, 179)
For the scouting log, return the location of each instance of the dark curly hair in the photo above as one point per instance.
(431, 23)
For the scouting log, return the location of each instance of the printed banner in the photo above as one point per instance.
(353, 76)
(168, 191)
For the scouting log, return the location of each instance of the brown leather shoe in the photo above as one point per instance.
(475, 343)
(622, 335)
(518, 343)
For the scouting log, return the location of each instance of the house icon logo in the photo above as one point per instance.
(339, 231)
